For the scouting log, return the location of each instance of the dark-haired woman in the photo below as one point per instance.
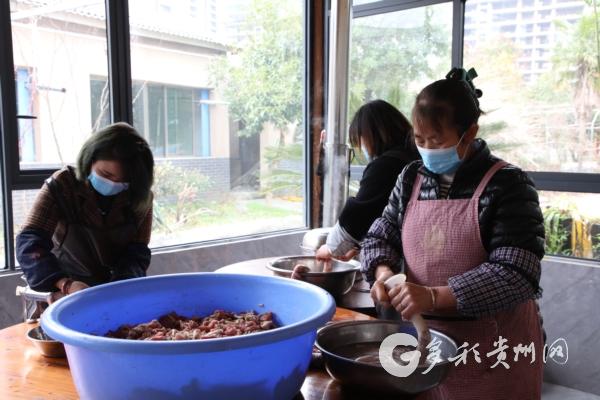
(384, 135)
(91, 224)
(467, 229)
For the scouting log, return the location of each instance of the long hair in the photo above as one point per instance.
(382, 126)
(121, 142)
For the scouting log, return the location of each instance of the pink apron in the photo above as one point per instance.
(440, 239)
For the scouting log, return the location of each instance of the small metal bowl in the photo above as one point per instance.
(313, 239)
(45, 344)
(337, 277)
(343, 343)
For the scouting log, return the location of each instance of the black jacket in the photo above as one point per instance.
(376, 184)
(509, 211)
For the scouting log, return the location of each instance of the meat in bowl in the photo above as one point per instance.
(176, 327)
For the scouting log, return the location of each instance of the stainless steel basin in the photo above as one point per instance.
(45, 344)
(335, 340)
(337, 277)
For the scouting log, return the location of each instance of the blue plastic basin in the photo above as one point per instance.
(261, 366)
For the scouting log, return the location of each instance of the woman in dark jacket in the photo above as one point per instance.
(467, 230)
(384, 136)
(91, 224)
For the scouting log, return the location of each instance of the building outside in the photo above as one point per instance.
(532, 25)
(60, 58)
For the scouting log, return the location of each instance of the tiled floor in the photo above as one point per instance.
(556, 392)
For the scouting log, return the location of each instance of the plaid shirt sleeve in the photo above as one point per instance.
(510, 276)
(382, 245)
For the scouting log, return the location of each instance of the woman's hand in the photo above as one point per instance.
(54, 296)
(410, 299)
(66, 286)
(69, 286)
(323, 253)
(76, 286)
(378, 292)
(349, 255)
(298, 271)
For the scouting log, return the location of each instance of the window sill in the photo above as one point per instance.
(225, 241)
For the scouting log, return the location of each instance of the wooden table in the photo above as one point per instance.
(358, 299)
(26, 374)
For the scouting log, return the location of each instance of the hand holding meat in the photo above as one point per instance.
(324, 254)
(410, 299)
(69, 286)
(298, 271)
(76, 286)
(378, 291)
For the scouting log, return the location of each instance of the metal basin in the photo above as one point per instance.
(337, 277)
(343, 343)
(45, 344)
(313, 239)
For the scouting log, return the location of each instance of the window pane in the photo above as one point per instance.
(540, 83)
(155, 130)
(22, 202)
(60, 74)
(218, 91)
(572, 224)
(180, 122)
(394, 55)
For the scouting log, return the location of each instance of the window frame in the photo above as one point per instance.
(13, 178)
(575, 182)
(552, 181)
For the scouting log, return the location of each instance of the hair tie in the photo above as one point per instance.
(460, 74)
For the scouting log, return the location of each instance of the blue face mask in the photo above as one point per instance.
(441, 161)
(106, 187)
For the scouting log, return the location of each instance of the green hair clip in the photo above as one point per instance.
(460, 74)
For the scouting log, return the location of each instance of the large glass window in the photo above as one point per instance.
(542, 107)
(167, 116)
(543, 115)
(394, 55)
(218, 91)
(57, 47)
(572, 224)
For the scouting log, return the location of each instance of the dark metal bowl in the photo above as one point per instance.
(45, 344)
(343, 367)
(337, 277)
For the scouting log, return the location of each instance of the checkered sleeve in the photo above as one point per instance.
(510, 276)
(382, 245)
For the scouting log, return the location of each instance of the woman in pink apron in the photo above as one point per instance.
(467, 230)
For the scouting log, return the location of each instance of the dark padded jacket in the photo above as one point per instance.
(376, 184)
(509, 212)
